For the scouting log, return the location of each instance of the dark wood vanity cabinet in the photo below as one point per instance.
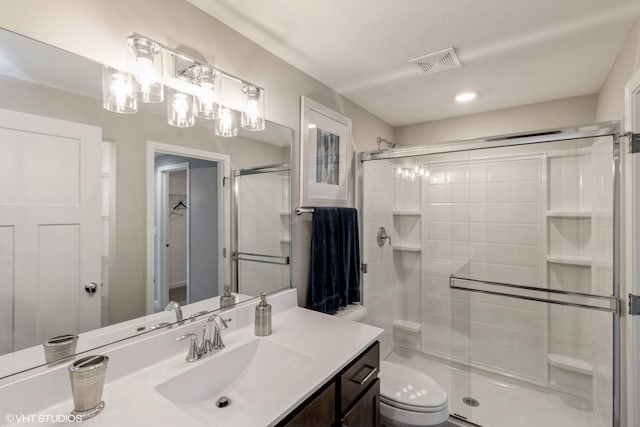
(351, 398)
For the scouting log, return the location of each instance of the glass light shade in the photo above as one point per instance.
(147, 70)
(117, 91)
(180, 109)
(207, 104)
(253, 115)
(226, 125)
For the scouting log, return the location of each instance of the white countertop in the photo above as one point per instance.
(330, 342)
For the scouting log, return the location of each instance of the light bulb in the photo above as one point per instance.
(117, 91)
(206, 104)
(179, 112)
(226, 124)
(253, 114)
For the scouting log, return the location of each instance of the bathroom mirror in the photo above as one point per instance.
(160, 223)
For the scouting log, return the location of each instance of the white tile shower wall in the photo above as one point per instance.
(383, 296)
(482, 219)
(260, 224)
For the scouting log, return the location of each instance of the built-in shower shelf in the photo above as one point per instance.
(407, 213)
(285, 213)
(407, 248)
(569, 260)
(569, 214)
(285, 240)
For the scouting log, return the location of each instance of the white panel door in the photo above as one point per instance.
(50, 236)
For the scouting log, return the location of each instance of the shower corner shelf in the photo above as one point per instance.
(568, 214)
(406, 213)
(407, 248)
(285, 213)
(569, 260)
(285, 240)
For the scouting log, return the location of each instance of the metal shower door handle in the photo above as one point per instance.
(91, 287)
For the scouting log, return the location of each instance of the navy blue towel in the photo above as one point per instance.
(334, 271)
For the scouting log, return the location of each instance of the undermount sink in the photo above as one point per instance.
(245, 375)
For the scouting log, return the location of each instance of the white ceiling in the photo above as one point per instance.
(514, 52)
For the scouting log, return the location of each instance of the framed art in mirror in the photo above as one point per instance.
(325, 155)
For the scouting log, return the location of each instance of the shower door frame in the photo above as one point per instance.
(632, 246)
(610, 128)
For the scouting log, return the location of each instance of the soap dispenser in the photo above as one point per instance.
(227, 299)
(263, 317)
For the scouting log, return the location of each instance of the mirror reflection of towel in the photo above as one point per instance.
(334, 271)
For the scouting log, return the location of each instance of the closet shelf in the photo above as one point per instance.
(569, 214)
(569, 260)
(407, 213)
(407, 248)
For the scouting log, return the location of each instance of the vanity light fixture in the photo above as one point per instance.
(195, 89)
(117, 90)
(466, 96)
(147, 69)
(226, 125)
(253, 115)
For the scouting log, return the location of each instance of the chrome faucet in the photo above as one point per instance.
(211, 342)
(175, 307)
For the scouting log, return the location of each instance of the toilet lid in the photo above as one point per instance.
(410, 388)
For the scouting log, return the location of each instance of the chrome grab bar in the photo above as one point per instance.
(612, 302)
(270, 259)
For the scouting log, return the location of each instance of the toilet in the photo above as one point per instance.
(407, 397)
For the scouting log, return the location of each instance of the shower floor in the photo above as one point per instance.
(501, 404)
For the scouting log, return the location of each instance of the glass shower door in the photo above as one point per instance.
(262, 230)
(531, 281)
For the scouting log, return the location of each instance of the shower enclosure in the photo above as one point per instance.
(262, 230)
(499, 276)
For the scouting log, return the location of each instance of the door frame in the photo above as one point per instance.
(224, 161)
(631, 245)
(162, 215)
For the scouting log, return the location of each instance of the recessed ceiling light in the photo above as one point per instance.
(466, 96)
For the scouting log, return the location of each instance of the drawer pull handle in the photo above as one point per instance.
(373, 371)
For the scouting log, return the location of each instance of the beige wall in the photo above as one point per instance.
(97, 29)
(551, 114)
(611, 95)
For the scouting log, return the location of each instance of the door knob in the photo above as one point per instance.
(91, 287)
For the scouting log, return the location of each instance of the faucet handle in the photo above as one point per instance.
(195, 352)
(220, 323)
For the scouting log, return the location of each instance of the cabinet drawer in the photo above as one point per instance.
(318, 412)
(357, 378)
(366, 411)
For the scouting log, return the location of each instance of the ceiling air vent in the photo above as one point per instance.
(436, 62)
